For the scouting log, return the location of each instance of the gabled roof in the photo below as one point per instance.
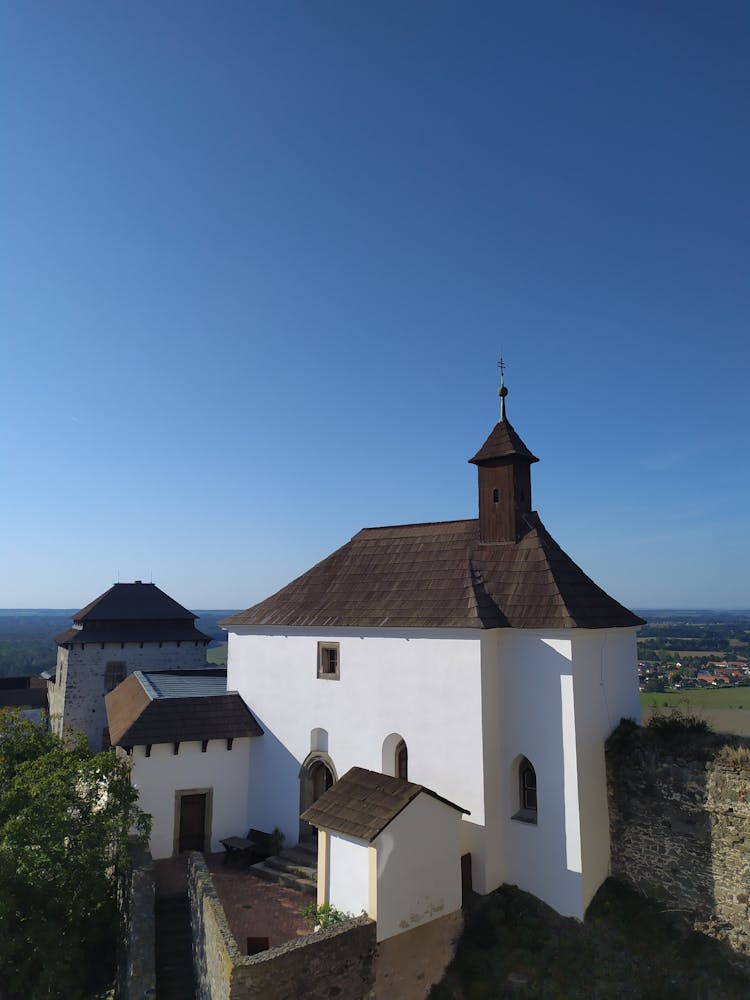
(503, 442)
(133, 612)
(363, 803)
(439, 575)
(176, 706)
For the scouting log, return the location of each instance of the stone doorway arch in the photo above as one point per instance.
(316, 776)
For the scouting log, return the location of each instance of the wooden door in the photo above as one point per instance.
(192, 822)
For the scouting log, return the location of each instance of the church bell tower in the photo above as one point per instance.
(504, 471)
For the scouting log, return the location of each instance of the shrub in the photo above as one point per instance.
(735, 757)
(324, 915)
(677, 723)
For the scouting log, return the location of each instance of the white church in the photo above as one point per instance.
(427, 692)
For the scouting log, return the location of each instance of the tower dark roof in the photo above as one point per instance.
(503, 442)
(440, 575)
(142, 601)
(129, 612)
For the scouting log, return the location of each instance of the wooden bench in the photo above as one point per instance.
(238, 849)
(256, 846)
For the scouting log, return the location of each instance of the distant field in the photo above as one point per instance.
(218, 654)
(733, 697)
(726, 710)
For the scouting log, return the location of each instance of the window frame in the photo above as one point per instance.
(527, 793)
(401, 753)
(324, 650)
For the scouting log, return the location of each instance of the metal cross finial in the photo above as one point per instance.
(502, 391)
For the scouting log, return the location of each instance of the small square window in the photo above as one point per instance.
(328, 660)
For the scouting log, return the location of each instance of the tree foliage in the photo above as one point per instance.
(65, 816)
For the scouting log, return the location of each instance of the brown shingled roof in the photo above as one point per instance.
(503, 442)
(363, 803)
(137, 715)
(439, 576)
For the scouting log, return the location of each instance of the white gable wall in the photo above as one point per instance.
(419, 866)
(348, 868)
(422, 684)
(224, 772)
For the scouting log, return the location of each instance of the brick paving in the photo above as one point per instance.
(253, 907)
(256, 908)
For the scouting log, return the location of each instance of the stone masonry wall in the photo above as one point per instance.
(136, 961)
(77, 697)
(337, 962)
(679, 807)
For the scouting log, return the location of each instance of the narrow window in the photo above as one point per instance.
(402, 761)
(114, 674)
(496, 496)
(526, 792)
(328, 660)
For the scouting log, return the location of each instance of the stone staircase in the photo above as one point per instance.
(296, 868)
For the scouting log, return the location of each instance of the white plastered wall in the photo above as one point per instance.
(605, 684)
(418, 866)
(535, 719)
(423, 684)
(225, 772)
(348, 874)
(553, 697)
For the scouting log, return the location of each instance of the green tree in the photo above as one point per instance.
(65, 816)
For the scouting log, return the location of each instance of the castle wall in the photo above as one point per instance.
(680, 826)
(77, 697)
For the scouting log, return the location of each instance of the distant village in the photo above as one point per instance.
(657, 676)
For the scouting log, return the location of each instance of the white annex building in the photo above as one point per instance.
(471, 663)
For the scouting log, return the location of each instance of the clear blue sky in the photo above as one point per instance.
(258, 261)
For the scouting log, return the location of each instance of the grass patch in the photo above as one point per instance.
(218, 654)
(732, 697)
(513, 945)
(735, 757)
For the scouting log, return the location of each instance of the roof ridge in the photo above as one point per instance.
(417, 524)
(146, 684)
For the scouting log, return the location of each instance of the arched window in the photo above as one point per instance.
(395, 756)
(526, 791)
(402, 761)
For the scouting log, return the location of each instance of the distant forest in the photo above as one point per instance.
(27, 637)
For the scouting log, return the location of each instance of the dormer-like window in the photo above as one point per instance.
(328, 661)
